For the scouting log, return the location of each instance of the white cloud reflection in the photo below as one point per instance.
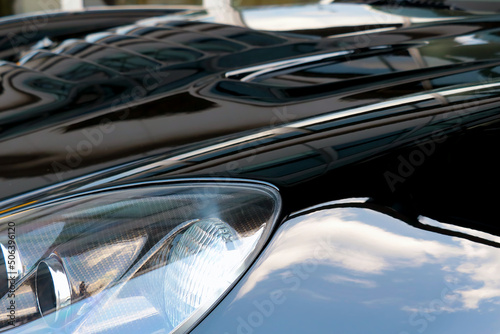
(356, 253)
(482, 265)
(341, 279)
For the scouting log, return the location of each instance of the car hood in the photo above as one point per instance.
(163, 95)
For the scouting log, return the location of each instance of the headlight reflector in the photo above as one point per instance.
(118, 260)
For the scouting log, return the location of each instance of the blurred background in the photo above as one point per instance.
(9, 7)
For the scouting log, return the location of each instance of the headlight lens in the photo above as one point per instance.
(152, 258)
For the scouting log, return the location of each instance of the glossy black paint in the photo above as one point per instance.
(154, 98)
(19, 33)
(407, 116)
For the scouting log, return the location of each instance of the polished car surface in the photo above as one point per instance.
(379, 132)
(353, 269)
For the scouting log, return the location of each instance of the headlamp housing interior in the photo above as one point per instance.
(150, 257)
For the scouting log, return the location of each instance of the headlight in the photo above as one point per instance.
(153, 258)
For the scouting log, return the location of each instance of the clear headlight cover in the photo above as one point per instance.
(149, 258)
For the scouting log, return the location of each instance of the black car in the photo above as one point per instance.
(322, 168)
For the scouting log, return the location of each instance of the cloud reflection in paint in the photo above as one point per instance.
(362, 247)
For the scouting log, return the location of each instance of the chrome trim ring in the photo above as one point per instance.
(53, 291)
